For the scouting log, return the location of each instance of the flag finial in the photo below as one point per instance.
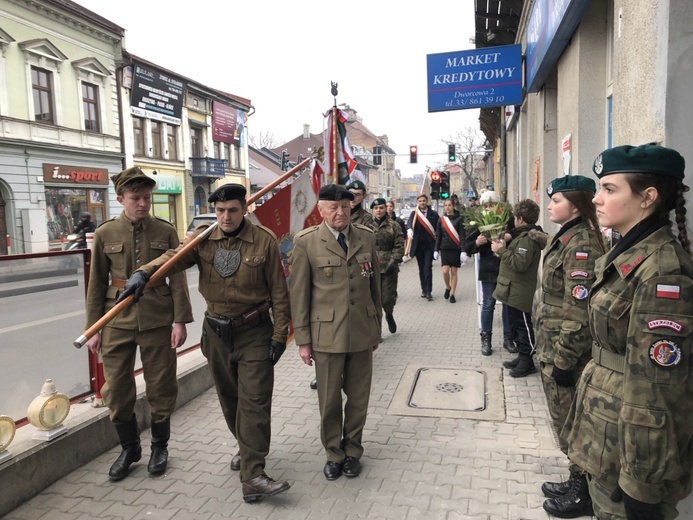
(334, 91)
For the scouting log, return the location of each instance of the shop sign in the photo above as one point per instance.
(168, 184)
(488, 77)
(156, 95)
(57, 173)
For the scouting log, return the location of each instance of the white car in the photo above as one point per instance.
(200, 219)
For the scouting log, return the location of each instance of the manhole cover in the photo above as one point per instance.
(448, 389)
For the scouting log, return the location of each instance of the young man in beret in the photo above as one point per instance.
(241, 280)
(358, 213)
(122, 245)
(337, 312)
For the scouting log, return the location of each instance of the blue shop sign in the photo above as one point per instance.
(478, 78)
(551, 24)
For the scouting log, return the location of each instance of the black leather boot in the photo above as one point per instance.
(576, 502)
(524, 367)
(486, 344)
(558, 489)
(508, 344)
(129, 436)
(512, 363)
(391, 324)
(161, 432)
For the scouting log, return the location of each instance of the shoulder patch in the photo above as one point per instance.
(580, 292)
(669, 292)
(665, 323)
(665, 353)
(521, 251)
(582, 255)
(579, 274)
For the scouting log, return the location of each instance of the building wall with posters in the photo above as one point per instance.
(59, 127)
(619, 76)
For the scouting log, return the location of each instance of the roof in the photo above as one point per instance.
(82, 12)
(262, 171)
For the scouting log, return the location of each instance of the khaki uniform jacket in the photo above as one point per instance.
(334, 307)
(562, 330)
(259, 276)
(636, 428)
(119, 249)
(389, 243)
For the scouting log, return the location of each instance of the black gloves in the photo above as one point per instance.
(135, 286)
(276, 350)
(563, 377)
(636, 510)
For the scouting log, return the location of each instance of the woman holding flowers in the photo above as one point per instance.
(450, 239)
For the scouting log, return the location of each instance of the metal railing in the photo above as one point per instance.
(207, 167)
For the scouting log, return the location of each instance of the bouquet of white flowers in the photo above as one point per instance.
(491, 221)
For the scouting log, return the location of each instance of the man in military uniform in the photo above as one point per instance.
(335, 302)
(122, 245)
(358, 214)
(241, 280)
(390, 246)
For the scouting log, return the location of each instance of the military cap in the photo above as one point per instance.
(130, 175)
(228, 192)
(647, 158)
(571, 183)
(378, 202)
(356, 185)
(334, 192)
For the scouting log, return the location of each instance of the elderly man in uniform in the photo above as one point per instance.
(122, 245)
(358, 214)
(390, 245)
(339, 333)
(241, 280)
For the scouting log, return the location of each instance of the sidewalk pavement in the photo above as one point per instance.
(413, 467)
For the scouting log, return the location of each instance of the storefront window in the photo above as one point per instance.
(64, 207)
(164, 206)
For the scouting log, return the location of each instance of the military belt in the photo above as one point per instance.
(251, 317)
(120, 283)
(607, 359)
(555, 301)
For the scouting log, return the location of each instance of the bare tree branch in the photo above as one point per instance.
(265, 139)
(468, 142)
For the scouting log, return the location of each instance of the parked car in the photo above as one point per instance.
(200, 219)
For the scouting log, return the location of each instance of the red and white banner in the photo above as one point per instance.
(346, 163)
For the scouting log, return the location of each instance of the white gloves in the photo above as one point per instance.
(435, 255)
(463, 257)
(410, 233)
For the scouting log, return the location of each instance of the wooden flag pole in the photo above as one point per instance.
(184, 249)
(335, 173)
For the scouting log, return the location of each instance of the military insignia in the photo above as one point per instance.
(665, 324)
(669, 292)
(521, 251)
(581, 255)
(300, 202)
(549, 190)
(580, 292)
(665, 353)
(627, 268)
(328, 271)
(598, 165)
(366, 269)
(579, 274)
(226, 262)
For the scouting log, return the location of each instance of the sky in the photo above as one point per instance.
(283, 56)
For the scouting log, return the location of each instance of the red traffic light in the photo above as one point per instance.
(413, 154)
(413, 149)
(435, 176)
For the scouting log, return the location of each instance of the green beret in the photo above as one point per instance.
(647, 158)
(229, 191)
(334, 192)
(356, 185)
(378, 202)
(571, 183)
(131, 175)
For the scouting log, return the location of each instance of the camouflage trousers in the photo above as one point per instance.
(388, 291)
(606, 509)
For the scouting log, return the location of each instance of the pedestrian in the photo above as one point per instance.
(390, 206)
(358, 213)
(337, 313)
(421, 231)
(390, 246)
(241, 280)
(517, 281)
(631, 423)
(85, 225)
(450, 239)
(489, 265)
(120, 246)
(564, 343)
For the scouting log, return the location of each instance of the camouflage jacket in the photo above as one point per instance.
(361, 216)
(388, 242)
(635, 428)
(562, 331)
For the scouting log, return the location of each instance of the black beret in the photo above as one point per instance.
(571, 183)
(228, 192)
(131, 175)
(378, 202)
(334, 192)
(356, 185)
(647, 158)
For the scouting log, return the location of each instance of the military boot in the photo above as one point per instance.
(576, 502)
(129, 436)
(508, 343)
(486, 344)
(558, 489)
(161, 432)
(512, 363)
(524, 367)
(391, 324)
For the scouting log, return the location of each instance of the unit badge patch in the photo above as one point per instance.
(521, 251)
(665, 324)
(579, 274)
(670, 292)
(582, 255)
(226, 262)
(665, 353)
(580, 292)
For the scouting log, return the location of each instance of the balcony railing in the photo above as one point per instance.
(207, 167)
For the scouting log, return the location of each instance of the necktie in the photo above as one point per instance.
(342, 241)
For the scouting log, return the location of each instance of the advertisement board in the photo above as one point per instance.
(156, 95)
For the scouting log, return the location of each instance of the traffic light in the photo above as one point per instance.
(413, 152)
(435, 185)
(445, 185)
(452, 157)
(285, 160)
(377, 159)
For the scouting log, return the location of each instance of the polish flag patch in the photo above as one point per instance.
(581, 255)
(670, 292)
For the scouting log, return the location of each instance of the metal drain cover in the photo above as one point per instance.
(448, 389)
